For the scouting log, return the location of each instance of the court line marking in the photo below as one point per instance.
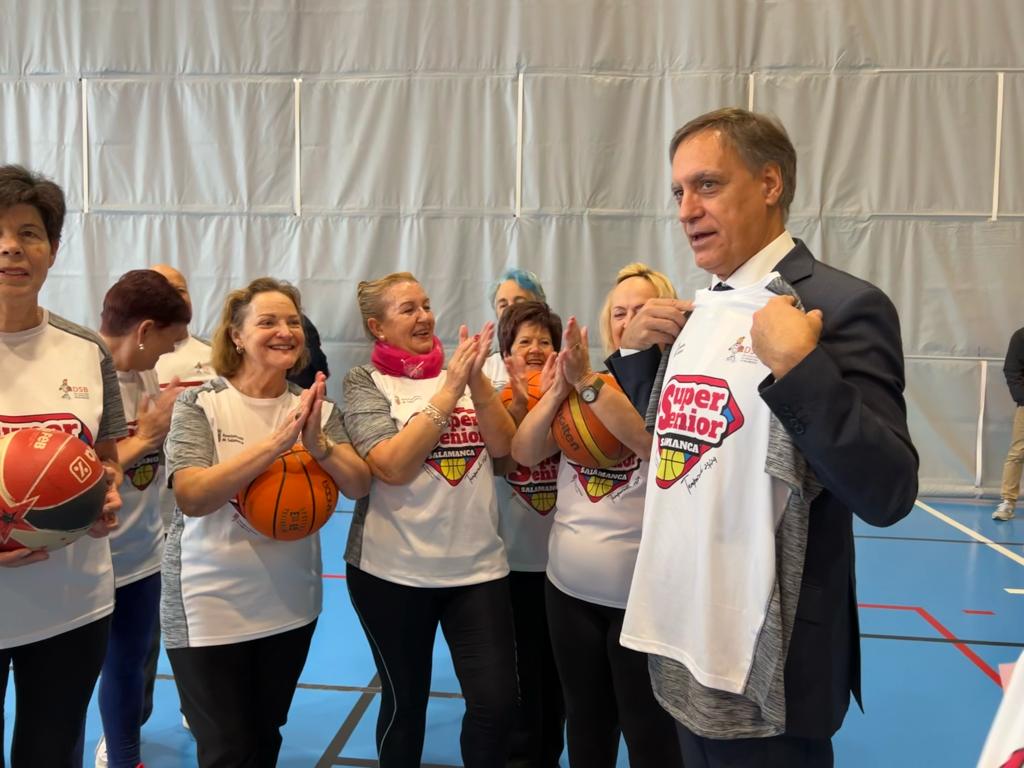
(1014, 591)
(979, 613)
(944, 641)
(1018, 559)
(979, 662)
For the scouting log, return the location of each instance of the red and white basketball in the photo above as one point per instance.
(52, 487)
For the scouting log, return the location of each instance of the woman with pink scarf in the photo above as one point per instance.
(423, 548)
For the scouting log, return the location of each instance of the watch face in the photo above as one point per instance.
(588, 395)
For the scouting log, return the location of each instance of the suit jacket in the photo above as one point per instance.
(843, 407)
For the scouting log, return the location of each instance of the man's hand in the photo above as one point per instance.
(658, 322)
(783, 335)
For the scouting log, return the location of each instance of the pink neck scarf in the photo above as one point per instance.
(393, 361)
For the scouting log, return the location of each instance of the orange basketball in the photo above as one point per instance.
(533, 393)
(52, 487)
(291, 499)
(581, 436)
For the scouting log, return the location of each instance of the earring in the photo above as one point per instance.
(239, 349)
(141, 346)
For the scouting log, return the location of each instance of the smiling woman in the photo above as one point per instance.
(57, 375)
(239, 609)
(423, 547)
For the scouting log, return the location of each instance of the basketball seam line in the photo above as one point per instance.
(584, 432)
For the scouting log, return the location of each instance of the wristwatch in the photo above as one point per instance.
(589, 392)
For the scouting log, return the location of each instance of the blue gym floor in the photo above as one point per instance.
(936, 622)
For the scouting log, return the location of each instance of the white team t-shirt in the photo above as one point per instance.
(136, 545)
(189, 361)
(441, 529)
(706, 569)
(222, 582)
(526, 511)
(596, 531)
(58, 376)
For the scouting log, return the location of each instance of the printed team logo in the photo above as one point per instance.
(538, 486)
(458, 448)
(598, 483)
(742, 349)
(58, 422)
(696, 414)
(68, 391)
(141, 474)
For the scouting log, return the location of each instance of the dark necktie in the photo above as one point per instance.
(722, 287)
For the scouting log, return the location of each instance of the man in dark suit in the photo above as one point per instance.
(835, 385)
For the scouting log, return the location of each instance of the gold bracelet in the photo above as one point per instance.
(435, 414)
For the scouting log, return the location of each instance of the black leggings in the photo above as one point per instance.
(53, 682)
(607, 689)
(400, 623)
(537, 738)
(237, 696)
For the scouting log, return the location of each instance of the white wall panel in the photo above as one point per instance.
(915, 143)
(191, 145)
(388, 144)
(41, 128)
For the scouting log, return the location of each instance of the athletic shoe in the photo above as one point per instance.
(1004, 511)
(101, 752)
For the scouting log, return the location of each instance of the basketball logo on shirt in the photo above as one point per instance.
(598, 483)
(140, 475)
(458, 448)
(695, 414)
(538, 486)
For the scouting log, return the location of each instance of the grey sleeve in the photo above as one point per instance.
(367, 411)
(112, 423)
(189, 442)
(334, 426)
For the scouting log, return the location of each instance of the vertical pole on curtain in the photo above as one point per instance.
(85, 145)
(297, 190)
(750, 92)
(978, 450)
(519, 145)
(999, 146)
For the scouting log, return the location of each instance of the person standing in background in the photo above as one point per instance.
(513, 286)
(56, 606)
(1013, 369)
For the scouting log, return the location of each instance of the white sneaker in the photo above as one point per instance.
(1004, 511)
(101, 752)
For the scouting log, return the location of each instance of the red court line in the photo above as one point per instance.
(937, 625)
(334, 575)
(979, 613)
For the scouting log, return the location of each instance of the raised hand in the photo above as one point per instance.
(783, 335)
(659, 321)
(483, 347)
(517, 378)
(575, 354)
(154, 414)
(313, 437)
(460, 364)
